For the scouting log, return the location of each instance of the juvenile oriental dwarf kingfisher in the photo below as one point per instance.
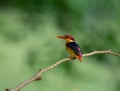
(72, 47)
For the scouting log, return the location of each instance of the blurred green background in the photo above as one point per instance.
(27, 43)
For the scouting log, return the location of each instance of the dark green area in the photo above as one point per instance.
(27, 43)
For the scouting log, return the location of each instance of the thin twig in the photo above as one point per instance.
(37, 76)
(101, 52)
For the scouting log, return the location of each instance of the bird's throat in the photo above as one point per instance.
(69, 40)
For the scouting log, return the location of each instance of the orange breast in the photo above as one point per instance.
(71, 52)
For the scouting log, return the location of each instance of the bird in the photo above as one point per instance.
(72, 47)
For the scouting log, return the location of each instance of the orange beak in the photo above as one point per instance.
(61, 37)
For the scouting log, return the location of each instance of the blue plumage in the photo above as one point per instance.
(75, 47)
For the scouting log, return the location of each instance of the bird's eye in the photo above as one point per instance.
(72, 39)
(66, 36)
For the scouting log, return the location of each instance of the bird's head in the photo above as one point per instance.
(67, 37)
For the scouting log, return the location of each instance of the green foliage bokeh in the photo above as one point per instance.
(27, 43)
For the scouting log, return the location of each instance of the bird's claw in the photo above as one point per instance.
(72, 58)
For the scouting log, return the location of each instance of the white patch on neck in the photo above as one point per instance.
(71, 41)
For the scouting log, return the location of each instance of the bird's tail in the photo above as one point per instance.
(79, 58)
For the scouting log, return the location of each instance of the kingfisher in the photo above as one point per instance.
(72, 47)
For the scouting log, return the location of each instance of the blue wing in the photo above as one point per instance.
(75, 47)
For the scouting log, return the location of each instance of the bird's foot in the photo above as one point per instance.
(72, 58)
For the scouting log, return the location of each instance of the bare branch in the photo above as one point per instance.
(101, 52)
(37, 76)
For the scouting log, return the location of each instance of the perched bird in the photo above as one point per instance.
(72, 47)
